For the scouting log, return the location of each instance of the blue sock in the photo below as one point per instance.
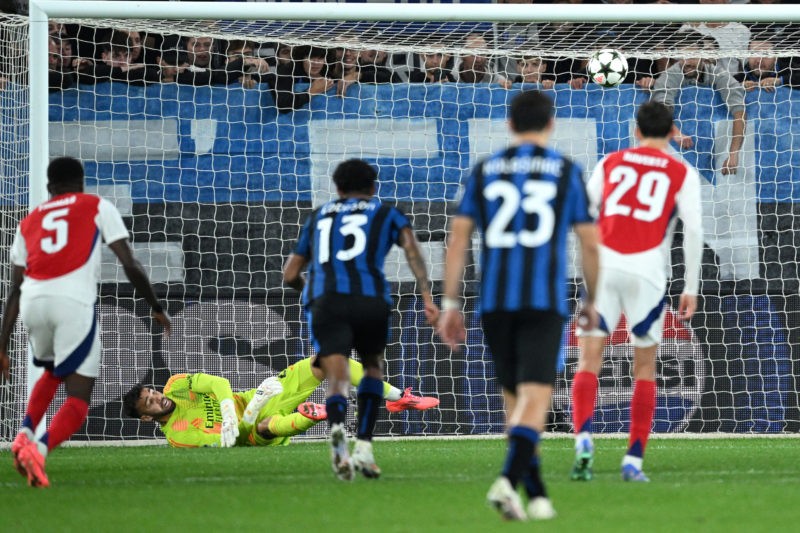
(336, 406)
(534, 486)
(522, 441)
(370, 394)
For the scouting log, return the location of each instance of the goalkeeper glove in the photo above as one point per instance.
(269, 388)
(230, 423)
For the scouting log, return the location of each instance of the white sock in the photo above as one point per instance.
(42, 447)
(394, 394)
(583, 436)
(631, 460)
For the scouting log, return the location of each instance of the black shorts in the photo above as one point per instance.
(340, 323)
(524, 345)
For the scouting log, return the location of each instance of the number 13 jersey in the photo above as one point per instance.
(58, 243)
(346, 242)
(637, 194)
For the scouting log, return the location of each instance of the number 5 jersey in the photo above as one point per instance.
(58, 243)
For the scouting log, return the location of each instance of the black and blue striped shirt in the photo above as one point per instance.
(524, 200)
(346, 242)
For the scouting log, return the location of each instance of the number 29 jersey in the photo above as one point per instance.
(637, 193)
(58, 243)
(524, 200)
(346, 242)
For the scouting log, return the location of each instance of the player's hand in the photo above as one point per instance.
(749, 85)
(588, 319)
(230, 423)
(548, 84)
(431, 313)
(687, 306)
(451, 328)
(5, 364)
(731, 164)
(166, 322)
(269, 388)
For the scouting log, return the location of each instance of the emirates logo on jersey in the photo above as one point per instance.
(680, 375)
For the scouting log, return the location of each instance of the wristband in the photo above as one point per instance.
(451, 304)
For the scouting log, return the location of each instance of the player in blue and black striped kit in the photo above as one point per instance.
(344, 244)
(524, 200)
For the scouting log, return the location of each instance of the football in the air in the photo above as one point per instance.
(607, 67)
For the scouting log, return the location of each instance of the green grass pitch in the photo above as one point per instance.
(729, 485)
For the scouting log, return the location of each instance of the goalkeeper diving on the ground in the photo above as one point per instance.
(197, 410)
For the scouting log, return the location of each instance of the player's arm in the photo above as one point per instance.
(408, 241)
(114, 232)
(298, 260)
(138, 278)
(293, 271)
(10, 315)
(451, 323)
(221, 389)
(689, 211)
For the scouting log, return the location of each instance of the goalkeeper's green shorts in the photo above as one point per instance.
(298, 384)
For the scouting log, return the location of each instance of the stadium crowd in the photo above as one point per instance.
(295, 75)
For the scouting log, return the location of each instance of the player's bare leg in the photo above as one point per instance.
(584, 397)
(643, 406)
(337, 370)
(370, 395)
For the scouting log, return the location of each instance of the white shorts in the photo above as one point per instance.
(63, 335)
(639, 299)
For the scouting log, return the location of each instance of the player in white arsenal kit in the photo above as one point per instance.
(55, 267)
(637, 194)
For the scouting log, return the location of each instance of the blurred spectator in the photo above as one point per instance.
(765, 71)
(477, 67)
(732, 38)
(372, 69)
(200, 63)
(57, 79)
(116, 64)
(170, 64)
(533, 69)
(572, 71)
(242, 65)
(342, 66)
(308, 66)
(694, 70)
(432, 68)
(283, 54)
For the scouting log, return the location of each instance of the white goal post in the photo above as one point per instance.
(734, 370)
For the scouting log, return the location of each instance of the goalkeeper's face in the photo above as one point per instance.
(153, 405)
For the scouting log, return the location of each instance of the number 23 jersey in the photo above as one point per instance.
(637, 193)
(58, 243)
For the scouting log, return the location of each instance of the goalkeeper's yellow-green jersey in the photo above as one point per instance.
(197, 419)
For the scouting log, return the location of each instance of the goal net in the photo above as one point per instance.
(215, 164)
